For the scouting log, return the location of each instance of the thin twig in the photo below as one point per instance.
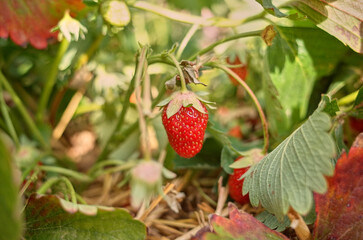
(186, 178)
(167, 229)
(142, 65)
(175, 223)
(67, 115)
(205, 207)
(167, 189)
(190, 233)
(222, 196)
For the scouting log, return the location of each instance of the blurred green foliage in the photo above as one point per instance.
(288, 79)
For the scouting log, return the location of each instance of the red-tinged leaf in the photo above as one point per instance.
(31, 21)
(340, 210)
(240, 225)
(342, 19)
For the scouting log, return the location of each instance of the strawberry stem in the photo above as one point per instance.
(23, 112)
(48, 184)
(7, 119)
(31, 179)
(181, 74)
(193, 19)
(142, 68)
(254, 99)
(224, 40)
(51, 80)
(186, 40)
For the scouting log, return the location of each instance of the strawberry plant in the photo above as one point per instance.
(186, 129)
(181, 119)
(235, 184)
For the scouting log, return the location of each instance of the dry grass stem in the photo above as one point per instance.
(222, 196)
(167, 229)
(205, 207)
(167, 189)
(299, 225)
(189, 234)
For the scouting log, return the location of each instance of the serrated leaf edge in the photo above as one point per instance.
(250, 183)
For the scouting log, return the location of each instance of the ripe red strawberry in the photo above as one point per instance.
(240, 71)
(235, 185)
(185, 119)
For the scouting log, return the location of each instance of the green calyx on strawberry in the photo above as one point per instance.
(185, 120)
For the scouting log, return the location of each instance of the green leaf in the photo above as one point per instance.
(227, 159)
(359, 98)
(270, 8)
(288, 175)
(49, 217)
(271, 221)
(127, 147)
(331, 106)
(342, 19)
(10, 217)
(277, 119)
(294, 63)
(339, 140)
(91, 3)
(218, 134)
